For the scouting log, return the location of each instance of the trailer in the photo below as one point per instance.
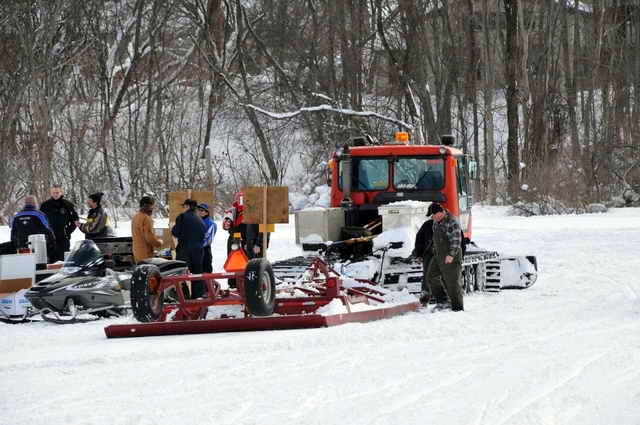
(321, 298)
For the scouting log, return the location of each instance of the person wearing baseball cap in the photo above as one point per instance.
(207, 258)
(190, 230)
(423, 250)
(444, 273)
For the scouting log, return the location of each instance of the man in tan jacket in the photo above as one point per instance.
(144, 240)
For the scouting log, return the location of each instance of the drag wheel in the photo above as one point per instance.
(146, 296)
(259, 287)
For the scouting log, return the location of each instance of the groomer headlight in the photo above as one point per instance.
(443, 150)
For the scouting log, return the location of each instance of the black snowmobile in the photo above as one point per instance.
(84, 289)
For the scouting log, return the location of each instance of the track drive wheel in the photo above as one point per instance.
(146, 296)
(259, 287)
(468, 278)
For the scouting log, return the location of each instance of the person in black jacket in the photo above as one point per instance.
(29, 221)
(423, 250)
(63, 220)
(97, 224)
(190, 231)
(251, 238)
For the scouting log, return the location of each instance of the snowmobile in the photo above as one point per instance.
(84, 289)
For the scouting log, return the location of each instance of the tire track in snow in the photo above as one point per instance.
(575, 373)
(413, 398)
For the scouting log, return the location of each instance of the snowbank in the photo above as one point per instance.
(319, 197)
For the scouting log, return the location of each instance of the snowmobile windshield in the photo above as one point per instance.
(85, 253)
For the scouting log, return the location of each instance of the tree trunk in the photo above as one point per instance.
(511, 63)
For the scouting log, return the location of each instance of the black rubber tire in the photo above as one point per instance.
(260, 287)
(144, 302)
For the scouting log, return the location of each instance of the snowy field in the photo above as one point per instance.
(565, 351)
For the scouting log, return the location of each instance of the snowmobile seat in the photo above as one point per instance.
(164, 265)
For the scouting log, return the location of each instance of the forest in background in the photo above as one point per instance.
(134, 97)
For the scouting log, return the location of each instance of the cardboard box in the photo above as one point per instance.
(168, 241)
(17, 272)
(15, 304)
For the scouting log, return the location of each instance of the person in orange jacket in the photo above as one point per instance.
(144, 240)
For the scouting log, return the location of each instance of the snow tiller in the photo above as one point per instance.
(321, 298)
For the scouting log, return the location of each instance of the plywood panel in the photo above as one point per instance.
(203, 196)
(175, 204)
(277, 204)
(176, 199)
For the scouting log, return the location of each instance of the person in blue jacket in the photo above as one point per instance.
(190, 230)
(29, 221)
(207, 259)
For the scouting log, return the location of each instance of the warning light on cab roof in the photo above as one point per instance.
(402, 137)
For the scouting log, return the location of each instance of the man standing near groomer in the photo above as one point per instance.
(190, 232)
(142, 235)
(63, 220)
(447, 259)
(423, 252)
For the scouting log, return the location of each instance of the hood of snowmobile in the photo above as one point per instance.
(87, 291)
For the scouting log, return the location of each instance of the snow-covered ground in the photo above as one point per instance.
(565, 351)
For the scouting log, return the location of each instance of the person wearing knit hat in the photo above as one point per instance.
(97, 224)
(29, 221)
(142, 235)
(96, 198)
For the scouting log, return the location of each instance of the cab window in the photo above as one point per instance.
(417, 173)
(463, 189)
(368, 174)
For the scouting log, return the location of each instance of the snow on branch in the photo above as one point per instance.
(327, 108)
